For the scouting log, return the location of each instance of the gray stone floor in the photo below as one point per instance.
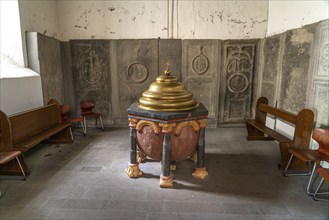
(86, 180)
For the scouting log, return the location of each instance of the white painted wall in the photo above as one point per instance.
(112, 19)
(164, 19)
(19, 94)
(285, 15)
(221, 19)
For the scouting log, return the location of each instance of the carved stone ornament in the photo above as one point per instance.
(137, 72)
(325, 58)
(237, 83)
(132, 122)
(181, 125)
(140, 157)
(200, 63)
(167, 128)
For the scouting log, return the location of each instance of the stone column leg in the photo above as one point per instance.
(200, 170)
(165, 178)
(133, 169)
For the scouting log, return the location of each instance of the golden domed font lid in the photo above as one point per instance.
(168, 95)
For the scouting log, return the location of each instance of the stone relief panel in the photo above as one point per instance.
(318, 94)
(321, 103)
(137, 68)
(50, 68)
(270, 73)
(200, 74)
(91, 74)
(295, 64)
(170, 52)
(237, 82)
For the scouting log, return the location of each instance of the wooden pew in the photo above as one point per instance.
(24, 130)
(303, 123)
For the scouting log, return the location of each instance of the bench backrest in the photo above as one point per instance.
(303, 121)
(27, 123)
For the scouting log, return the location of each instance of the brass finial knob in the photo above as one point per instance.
(167, 72)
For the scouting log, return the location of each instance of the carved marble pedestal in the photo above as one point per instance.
(168, 137)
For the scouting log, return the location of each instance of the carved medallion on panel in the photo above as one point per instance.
(237, 83)
(200, 62)
(137, 71)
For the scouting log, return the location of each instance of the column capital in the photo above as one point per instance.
(132, 122)
(167, 128)
(203, 123)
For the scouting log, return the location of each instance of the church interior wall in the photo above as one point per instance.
(99, 31)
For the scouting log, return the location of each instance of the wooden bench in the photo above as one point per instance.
(303, 123)
(24, 130)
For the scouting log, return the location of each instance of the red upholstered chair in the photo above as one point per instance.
(324, 173)
(310, 156)
(86, 112)
(65, 111)
(6, 156)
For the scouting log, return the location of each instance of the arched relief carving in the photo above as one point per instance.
(153, 125)
(200, 63)
(181, 125)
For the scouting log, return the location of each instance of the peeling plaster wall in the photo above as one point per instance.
(38, 16)
(164, 19)
(285, 15)
(222, 19)
(112, 19)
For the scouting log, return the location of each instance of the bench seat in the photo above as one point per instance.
(302, 121)
(41, 136)
(273, 135)
(23, 130)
